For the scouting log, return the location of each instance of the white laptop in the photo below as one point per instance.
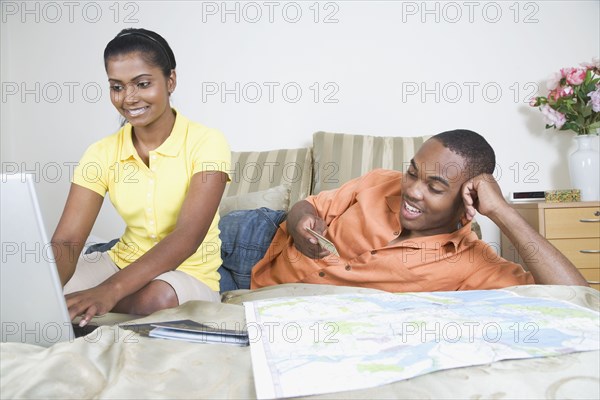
(32, 307)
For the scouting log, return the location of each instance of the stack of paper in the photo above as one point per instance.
(191, 331)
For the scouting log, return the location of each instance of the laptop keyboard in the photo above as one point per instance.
(82, 331)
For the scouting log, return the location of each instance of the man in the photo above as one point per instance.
(412, 232)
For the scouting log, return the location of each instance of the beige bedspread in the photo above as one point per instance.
(116, 363)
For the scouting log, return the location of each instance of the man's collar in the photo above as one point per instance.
(393, 203)
(458, 236)
(453, 240)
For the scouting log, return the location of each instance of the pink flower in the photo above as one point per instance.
(595, 64)
(575, 76)
(561, 91)
(553, 117)
(554, 95)
(565, 91)
(553, 81)
(595, 100)
(565, 71)
(567, 106)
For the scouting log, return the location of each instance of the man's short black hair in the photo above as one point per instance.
(473, 147)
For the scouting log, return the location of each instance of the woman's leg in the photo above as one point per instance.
(91, 270)
(167, 290)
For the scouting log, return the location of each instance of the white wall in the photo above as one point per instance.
(392, 68)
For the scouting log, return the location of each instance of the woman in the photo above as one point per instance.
(165, 175)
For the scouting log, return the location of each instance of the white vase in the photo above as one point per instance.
(584, 168)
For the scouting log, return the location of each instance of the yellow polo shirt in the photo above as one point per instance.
(149, 198)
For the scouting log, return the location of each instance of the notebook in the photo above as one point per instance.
(32, 305)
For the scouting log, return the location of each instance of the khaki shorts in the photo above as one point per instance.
(93, 269)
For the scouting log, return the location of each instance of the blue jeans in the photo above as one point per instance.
(101, 247)
(245, 237)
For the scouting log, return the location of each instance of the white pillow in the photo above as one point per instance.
(275, 198)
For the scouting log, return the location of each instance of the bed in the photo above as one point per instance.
(117, 363)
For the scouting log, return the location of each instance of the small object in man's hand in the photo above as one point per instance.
(324, 243)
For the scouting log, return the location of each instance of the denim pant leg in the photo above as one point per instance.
(226, 282)
(101, 247)
(245, 237)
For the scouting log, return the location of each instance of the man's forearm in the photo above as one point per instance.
(547, 265)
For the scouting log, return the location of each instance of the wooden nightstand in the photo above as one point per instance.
(573, 228)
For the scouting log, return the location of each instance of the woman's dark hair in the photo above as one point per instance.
(153, 48)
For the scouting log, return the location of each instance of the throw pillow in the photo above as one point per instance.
(254, 171)
(276, 198)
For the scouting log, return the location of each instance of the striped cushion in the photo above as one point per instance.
(258, 171)
(339, 157)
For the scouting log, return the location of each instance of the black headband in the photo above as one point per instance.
(145, 35)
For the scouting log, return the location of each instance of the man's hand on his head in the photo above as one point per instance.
(482, 193)
(548, 265)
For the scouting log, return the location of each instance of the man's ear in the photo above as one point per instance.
(461, 211)
(464, 220)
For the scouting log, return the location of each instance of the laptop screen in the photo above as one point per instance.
(33, 308)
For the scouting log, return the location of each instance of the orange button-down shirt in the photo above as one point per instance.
(363, 218)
